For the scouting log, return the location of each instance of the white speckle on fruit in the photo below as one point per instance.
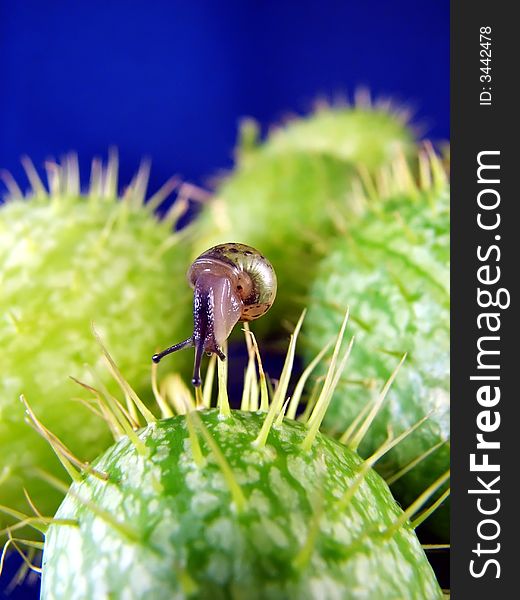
(248, 475)
(203, 503)
(298, 528)
(275, 532)
(259, 502)
(218, 568)
(326, 588)
(126, 556)
(195, 480)
(344, 533)
(284, 491)
(187, 447)
(299, 468)
(99, 529)
(221, 534)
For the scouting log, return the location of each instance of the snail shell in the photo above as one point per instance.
(251, 274)
(231, 282)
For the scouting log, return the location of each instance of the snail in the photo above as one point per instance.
(231, 283)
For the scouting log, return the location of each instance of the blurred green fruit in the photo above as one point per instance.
(68, 259)
(392, 270)
(289, 195)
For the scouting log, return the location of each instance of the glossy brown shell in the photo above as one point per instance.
(242, 260)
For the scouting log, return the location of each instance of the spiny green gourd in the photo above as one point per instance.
(392, 270)
(233, 504)
(287, 195)
(68, 258)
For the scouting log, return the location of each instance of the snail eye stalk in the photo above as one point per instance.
(186, 344)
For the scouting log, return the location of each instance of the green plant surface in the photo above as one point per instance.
(392, 270)
(68, 259)
(274, 526)
(205, 501)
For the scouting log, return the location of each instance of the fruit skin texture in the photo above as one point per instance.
(285, 195)
(67, 261)
(191, 539)
(392, 270)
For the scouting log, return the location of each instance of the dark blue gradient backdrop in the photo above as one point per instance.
(169, 79)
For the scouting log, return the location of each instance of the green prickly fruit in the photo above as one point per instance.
(225, 518)
(290, 194)
(364, 134)
(392, 270)
(66, 260)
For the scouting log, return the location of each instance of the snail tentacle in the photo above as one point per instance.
(185, 344)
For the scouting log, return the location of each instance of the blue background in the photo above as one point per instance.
(170, 80)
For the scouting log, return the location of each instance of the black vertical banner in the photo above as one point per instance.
(485, 242)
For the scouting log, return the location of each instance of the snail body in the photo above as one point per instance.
(231, 282)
